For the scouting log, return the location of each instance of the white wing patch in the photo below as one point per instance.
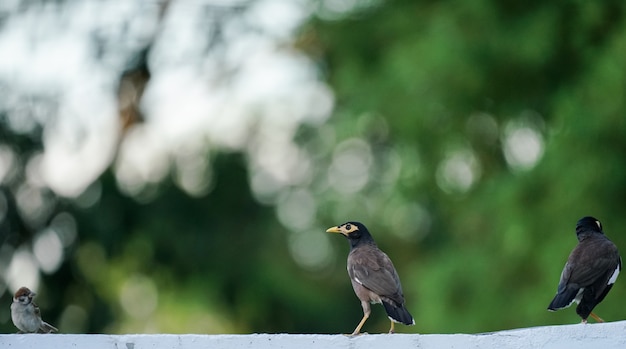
(357, 280)
(614, 276)
(578, 297)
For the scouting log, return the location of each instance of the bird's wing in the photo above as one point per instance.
(591, 260)
(36, 309)
(373, 269)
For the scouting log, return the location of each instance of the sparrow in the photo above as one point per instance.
(373, 276)
(590, 271)
(26, 315)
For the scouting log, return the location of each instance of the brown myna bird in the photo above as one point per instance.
(373, 277)
(590, 271)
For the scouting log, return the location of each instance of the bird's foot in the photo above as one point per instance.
(596, 317)
(392, 329)
(355, 334)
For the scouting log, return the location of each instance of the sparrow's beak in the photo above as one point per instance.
(32, 295)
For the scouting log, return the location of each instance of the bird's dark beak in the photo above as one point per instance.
(32, 295)
(334, 230)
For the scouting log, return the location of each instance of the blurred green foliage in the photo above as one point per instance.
(432, 93)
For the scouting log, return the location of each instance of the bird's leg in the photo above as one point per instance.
(366, 313)
(391, 330)
(596, 317)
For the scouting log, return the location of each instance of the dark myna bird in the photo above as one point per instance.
(590, 271)
(373, 277)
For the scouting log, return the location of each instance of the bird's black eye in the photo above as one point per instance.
(348, 227)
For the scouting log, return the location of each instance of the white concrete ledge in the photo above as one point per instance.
(607, 336)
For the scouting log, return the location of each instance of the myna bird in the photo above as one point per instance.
(373, 277)
(590, 271)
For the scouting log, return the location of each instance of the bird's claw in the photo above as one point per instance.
(355, 334)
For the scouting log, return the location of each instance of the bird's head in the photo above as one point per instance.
(355, 232)
(587, 226)
(24, 296)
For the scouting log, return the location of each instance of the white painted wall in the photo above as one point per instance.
(605, 336)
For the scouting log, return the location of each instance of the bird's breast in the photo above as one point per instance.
(24, 318)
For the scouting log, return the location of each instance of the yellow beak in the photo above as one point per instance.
(333, 230)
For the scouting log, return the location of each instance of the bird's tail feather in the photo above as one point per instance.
(398, 313)
(563, 299)
(47, 328)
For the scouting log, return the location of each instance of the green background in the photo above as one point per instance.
(424, 91)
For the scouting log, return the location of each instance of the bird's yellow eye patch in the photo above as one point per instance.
(348, 228)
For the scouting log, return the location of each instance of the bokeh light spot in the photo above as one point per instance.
(139, 296)
(297, 209)
(523, 146)
(350, 167)
(48, 250)
(64, 225)
(23, 270)
(73, 319)
(483, 127)
(410, 221)
(193, 169)
(311, 249)
(142, 160)
(7, 164)
(34, 204)
(458, 172)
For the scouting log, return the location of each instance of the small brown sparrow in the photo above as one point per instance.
(26, 315)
